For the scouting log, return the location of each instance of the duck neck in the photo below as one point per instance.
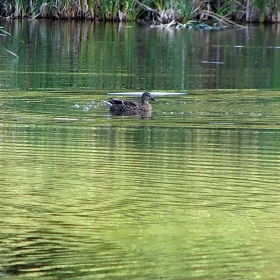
(144, 102)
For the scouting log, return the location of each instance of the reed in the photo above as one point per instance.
(4, 33)
(160, 11)
(131, 10)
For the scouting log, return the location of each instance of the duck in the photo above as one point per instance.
(129, 107)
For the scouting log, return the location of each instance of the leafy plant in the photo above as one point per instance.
(261, 5)
(131, 10)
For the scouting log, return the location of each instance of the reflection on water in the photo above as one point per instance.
(190, 193)
(75, 55)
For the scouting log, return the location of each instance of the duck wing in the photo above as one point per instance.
(124, 102)
(120, 106)
(116, 101)
(130, 103)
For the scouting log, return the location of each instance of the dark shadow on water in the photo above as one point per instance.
(142, 115)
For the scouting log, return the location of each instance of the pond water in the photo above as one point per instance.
(190, 193)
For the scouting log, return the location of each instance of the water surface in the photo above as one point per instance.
(189, 193)
(73, 55)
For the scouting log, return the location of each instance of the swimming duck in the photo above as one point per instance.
(129, 107)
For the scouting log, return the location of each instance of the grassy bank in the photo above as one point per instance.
(158, 11)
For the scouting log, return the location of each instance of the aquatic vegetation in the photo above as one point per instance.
(158, 11)
(5, 33)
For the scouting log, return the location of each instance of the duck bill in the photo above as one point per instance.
(153, 99)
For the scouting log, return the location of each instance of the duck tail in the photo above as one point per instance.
(107, 103)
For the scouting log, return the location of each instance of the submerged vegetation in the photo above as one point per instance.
(158, 11)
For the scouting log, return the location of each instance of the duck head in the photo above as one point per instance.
(146, 96)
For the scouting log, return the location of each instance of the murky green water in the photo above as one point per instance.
(190, 193)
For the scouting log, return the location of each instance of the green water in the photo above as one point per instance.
(190, 193)
(74, 55)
